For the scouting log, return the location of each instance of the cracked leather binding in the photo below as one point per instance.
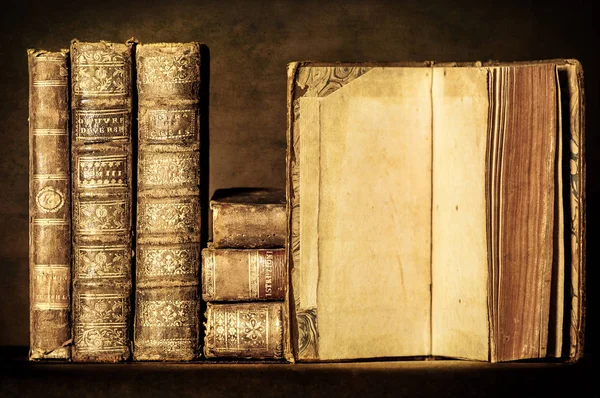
(101, 92)
(49, 206)
(168, 213)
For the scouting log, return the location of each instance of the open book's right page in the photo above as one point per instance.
(494, 169)
(459, 252)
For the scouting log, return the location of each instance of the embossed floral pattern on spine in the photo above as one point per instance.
(244, 330)
(49, 206)
(102, 200)
(168, 213)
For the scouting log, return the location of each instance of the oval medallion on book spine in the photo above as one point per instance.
(49, 200)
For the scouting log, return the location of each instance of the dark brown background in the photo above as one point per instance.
(250, 44)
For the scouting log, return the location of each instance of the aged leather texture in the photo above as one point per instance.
(101, 92)
(243, 274)
(168, 203)
(248, 218)
(244, 330)
(49, 206)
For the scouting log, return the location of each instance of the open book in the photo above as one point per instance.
(436, 210)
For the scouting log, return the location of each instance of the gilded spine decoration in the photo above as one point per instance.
(243, 274)
(168, 212)
(101, 90)
(244, 330)
(49, 206)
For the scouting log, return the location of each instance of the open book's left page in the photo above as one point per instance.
(361, 215)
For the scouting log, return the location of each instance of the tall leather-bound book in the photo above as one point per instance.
(49, 206)
(437, 210)
(101, 93)
(168, 203)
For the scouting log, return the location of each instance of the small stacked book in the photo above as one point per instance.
(244, 275)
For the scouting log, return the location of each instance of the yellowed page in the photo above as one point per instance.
(459, 246)
(367, 214)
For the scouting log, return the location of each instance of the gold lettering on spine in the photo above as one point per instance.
(268, 270)
(102, 171)
(253, 274)
(170, 124)
(101, 125)
(170, 169)
(51, 286)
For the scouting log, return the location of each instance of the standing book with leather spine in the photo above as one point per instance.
(101, 93)
(168, 212)
(49, 206)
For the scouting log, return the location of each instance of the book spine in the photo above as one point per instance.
(244, 330)
(243, 275)
(101, 92)
(168, 211)
(248, 226)
(49, 206)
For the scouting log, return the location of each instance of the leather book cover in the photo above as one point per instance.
(101, 92)
(49, 206)
(248, 218)
(243, 274)
(168, 203)
(244, 330)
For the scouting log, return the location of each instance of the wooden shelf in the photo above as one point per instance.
(19, 377)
